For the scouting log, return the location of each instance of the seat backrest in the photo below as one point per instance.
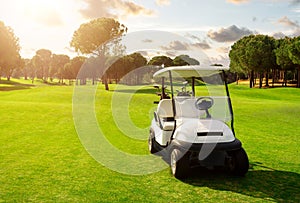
(165, 109)
(186, 108)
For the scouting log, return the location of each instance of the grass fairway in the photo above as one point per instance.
(42, 159)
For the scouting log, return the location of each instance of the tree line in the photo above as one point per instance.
(254, 56)
(89, 39)
(264, 57)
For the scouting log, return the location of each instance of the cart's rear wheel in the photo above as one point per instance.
(239, 163)
(151, 146)
(179, 162)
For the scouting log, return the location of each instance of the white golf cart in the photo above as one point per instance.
(192, 128)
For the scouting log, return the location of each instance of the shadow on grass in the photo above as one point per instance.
(264, 183)
(12, 85)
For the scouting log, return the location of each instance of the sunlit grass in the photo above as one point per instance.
(42, 159)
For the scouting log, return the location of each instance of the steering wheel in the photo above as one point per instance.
(204, 103)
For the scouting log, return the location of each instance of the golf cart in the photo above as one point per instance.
(192, 129)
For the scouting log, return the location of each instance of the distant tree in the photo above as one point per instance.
(294, 55)
(18, 68)
(238, 61)
(137, 61)
(26, 68)
(29, 69)
(91, 38)
(282, 56)
(161, 61)
(125, 65)
(71, 69)
(260, 55)
(41, 62)
(57, 62)
(9, 51)
(184, 60)
(253, 53)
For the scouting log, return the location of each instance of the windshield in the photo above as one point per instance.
(198, 91)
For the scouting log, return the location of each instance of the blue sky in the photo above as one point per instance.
(214, 25)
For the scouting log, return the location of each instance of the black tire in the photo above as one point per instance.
(151, 144)
(239, 163)
(179, 162)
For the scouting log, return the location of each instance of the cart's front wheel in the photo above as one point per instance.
(151, 146)
(239, 163)
(179, 162)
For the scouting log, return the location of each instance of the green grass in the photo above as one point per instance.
(43, 160)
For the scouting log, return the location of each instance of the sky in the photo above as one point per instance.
(211, 25)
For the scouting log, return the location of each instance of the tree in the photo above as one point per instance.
(294, 55)
(184, 60)
(238, 60)
(41, 62)
(92, 36)
(253, 53)
(9, 51)
(136, 60)
(161, 60)
(29, 70)
(124, 65)
(57, 62)
(72, 68)
(260, 55)
(18, 68)
(282, 56)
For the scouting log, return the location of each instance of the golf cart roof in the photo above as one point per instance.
(189, 71)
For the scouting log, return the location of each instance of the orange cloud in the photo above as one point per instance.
(287, 22)
(163, 2)
(237, 1)
(113, 8)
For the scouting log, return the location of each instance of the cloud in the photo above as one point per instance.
(171, 54)
(201, 45)
(192, 37)
(296, 10)
(237, 1)
(295, 2)
(144, 53)
(296, 33)
(229, 34)
(223, 50)
(287, 22)
(291, 2)
(183, 46)
(163, 2)
(224, 60)
(113, 8)
(147, 41)
(294, 26)
(290, 33)
(278, 35)
(176, 45)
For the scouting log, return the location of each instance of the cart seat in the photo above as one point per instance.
(165, 109)
(187, 109)
(165, 114)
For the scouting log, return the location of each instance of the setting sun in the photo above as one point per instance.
(42, 24)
